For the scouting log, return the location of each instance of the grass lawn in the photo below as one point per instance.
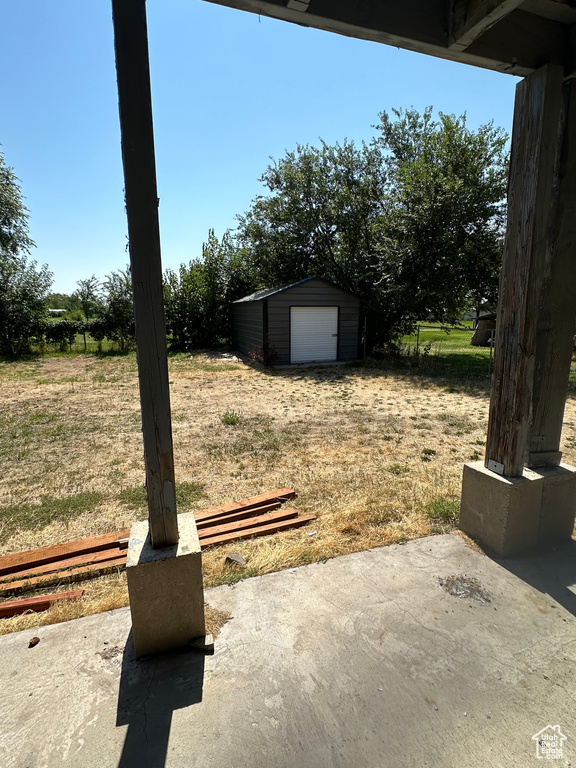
(450, 349)
(376, 453)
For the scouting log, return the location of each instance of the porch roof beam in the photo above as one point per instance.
(469, 19)
(493, 34)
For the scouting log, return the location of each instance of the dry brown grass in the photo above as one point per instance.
(375, 455)
(103, 594)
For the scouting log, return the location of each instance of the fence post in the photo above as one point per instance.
(491, 351)
(417, 338)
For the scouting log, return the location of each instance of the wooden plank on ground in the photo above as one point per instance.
(77, 574)
(279, 494)
(59, 565)
(19, 560)
(251, 522)
(241, 515)
(42, 603)
(262, 530)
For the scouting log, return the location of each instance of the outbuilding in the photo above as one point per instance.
(311, 321)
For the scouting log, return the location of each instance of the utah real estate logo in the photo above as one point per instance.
(549, 743)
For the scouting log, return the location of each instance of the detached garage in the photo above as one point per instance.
(312, 321)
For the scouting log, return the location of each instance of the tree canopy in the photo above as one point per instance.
(14, 237)
(412, 222)
(23, 286)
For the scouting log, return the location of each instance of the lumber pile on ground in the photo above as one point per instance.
(87, 558)
(10, 608)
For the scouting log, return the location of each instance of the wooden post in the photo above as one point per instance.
(135, 105)
(557, 320)
(531, 194)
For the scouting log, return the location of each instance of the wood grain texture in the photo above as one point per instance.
(75, 574)
(14, 607)
(110, 553)
(471, 18)
(524, 37)
(416, 25)
(537, 117)
(279, 494)
(135, 107)
(58, 552)
(234, 516)
(251, 522)
(557, 315)
(262, 530)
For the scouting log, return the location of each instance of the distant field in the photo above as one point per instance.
(450, 348)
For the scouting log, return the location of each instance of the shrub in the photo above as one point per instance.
(230, 418)
(443, 508)
(265, 355)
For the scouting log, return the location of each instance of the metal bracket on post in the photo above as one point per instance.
(496, 467)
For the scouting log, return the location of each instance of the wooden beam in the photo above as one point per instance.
(262, 530)
(533, 169)
(524, 37)
(557, 316)
(298, 5)
(38, 557)
(234, 516)
(279, 494)
(74, 574)
(111, 553)
(42, 603)
(135, 105)
(251, 522)
(471, 18)
(423, 26)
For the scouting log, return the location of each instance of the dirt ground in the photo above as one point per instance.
(376, 455)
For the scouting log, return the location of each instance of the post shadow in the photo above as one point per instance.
(150, 691)
(551, 571)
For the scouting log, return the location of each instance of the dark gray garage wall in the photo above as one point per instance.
(248, 325)
(313, 293)
(267, 313)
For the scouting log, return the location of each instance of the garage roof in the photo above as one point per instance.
(264, 294)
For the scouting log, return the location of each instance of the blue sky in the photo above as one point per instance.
(230, 90)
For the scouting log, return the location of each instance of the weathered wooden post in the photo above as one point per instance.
(508, 507)
(557, 317)
(164, 570)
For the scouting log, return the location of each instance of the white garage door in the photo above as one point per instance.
(313, 334)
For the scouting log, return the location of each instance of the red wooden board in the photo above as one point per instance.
(42, 603)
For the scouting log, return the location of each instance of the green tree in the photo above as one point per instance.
(88, 296)
(197, 298)
(23, 286)
(115, 315)
(412, 222)
(320, 217)
(14, 237)
(445, 225)
(23, 291)
(61, 301)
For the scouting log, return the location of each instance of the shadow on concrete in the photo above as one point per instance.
(552, 572)
(150, 691)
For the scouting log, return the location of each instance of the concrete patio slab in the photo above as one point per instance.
(364, 661)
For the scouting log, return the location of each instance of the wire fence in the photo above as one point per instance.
(459, 348)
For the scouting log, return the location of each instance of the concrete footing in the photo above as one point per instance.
(165, 589)
(512, 516)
